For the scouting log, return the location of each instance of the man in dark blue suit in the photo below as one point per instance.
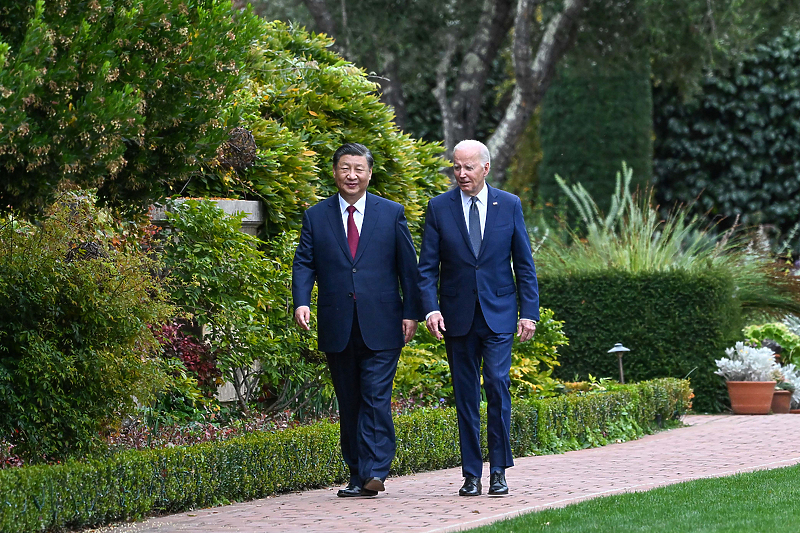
(358, 249)
(476, 252)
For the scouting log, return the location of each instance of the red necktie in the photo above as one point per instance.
(352, 231)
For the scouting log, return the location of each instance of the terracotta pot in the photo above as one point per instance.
(780, 401)
(795, 411)
(751, 397)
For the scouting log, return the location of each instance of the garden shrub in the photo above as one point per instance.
(131, 97)
(676, 324)
(131, 484)
(619, 279)
(302, 101)
(75, 348)
(241, 296)
(778, 333)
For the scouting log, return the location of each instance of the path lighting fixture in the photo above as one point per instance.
(619, 349)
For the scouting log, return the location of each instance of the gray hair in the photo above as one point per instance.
(471, 144)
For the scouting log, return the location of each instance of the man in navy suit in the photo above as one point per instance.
(476, 251)
(358, 249)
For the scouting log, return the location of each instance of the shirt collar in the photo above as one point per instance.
(483, 196)
(359, 205)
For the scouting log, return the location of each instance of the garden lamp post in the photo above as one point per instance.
(619, 349)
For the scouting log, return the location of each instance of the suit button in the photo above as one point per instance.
(355, 270)
(349, 294)
(477, 267)
(474, 291)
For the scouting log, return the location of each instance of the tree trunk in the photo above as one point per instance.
(533, 79)
(460, 111)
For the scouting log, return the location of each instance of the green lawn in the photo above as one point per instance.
(765, 501)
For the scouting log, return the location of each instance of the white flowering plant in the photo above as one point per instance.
(747, 363)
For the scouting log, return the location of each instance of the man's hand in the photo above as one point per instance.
(525, 329)
(409, 329)
(435, 325)
(302, 315)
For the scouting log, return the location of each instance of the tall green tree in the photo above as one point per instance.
(126, 96)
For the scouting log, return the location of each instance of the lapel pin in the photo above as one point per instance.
(494, 203)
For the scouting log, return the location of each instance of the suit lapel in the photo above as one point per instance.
(335, 218)
(371, 215)
(458, 213)
(492, 209)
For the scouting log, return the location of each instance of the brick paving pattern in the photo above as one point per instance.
(710, 446)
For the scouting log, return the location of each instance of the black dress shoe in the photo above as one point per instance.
(471, 487)
(353, 491)
(374, 484)
(498, 485)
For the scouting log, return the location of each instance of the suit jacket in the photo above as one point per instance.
(448, 262)
(385, 262)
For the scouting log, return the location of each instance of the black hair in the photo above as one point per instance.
(352, 149)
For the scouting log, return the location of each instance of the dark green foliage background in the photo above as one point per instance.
(591, 122)
(736, 147)
(674, 323)
(133, 484)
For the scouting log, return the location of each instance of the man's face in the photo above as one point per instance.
(352, 175)
(469, 172)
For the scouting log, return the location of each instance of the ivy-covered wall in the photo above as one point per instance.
(736, 146)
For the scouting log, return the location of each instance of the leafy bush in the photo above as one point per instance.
(130, 97)
(779, 333)
(301, 103)
(424, 375)
(242, 297)
(132, 484)
(74, 314)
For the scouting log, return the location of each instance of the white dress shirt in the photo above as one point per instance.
(466, 203)
(358, 214)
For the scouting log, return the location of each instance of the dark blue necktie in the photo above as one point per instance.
(475, 226)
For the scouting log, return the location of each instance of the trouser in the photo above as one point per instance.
(362, 379)
(465, 353)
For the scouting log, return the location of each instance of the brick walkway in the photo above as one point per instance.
(710, 446)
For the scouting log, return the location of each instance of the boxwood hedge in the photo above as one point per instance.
(132, 484)
(676, 324)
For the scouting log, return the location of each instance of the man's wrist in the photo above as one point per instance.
(431, 314)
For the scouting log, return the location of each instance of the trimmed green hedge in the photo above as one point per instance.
(590, 123)
(133, 484)
(676, 324)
